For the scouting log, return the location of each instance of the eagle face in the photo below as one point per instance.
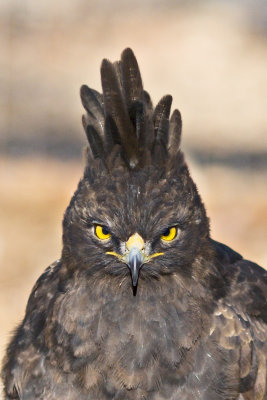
(135, 225)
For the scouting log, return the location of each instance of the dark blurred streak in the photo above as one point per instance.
(238, 160)
(72, 149)
(42, 147)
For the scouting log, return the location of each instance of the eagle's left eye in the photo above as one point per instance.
(102, 232)
(169, 234)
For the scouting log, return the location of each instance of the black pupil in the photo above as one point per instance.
(167, 232)
(105, 230)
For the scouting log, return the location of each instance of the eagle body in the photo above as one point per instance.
(143, 304)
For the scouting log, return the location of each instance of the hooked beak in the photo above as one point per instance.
(135, 260)
(134, 257)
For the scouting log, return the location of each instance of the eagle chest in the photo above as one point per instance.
(125, 341)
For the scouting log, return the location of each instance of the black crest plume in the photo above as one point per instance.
(122, 126)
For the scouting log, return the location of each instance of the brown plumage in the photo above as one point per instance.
(143, 304)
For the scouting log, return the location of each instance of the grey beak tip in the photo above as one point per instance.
(135, 281)
(135, 262)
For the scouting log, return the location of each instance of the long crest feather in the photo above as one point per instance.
(175, 132)
(96, 143)
(131, 79)
(161, 119)
(122, 125)
(93, 104)
(115, 107)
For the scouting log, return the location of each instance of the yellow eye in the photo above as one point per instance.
(169, 234)
(102, 232)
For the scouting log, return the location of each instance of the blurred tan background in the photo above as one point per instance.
(210, 55)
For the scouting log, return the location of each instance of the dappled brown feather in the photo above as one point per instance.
(115, 107)
(89, 119)
(159, 154)
(131, 78)
(112, 136)
(162, 110)
(148, 102)
(139, 122)
(92, 101)
(161, 119)
(93, 104)
(175, 131)
(96, 143)
(142, 131)
(117, 68)
(115, 157)
(149, 124)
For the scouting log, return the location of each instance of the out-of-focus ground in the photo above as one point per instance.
(211, 56)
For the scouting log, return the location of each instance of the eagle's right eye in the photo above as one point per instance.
(102, 232)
